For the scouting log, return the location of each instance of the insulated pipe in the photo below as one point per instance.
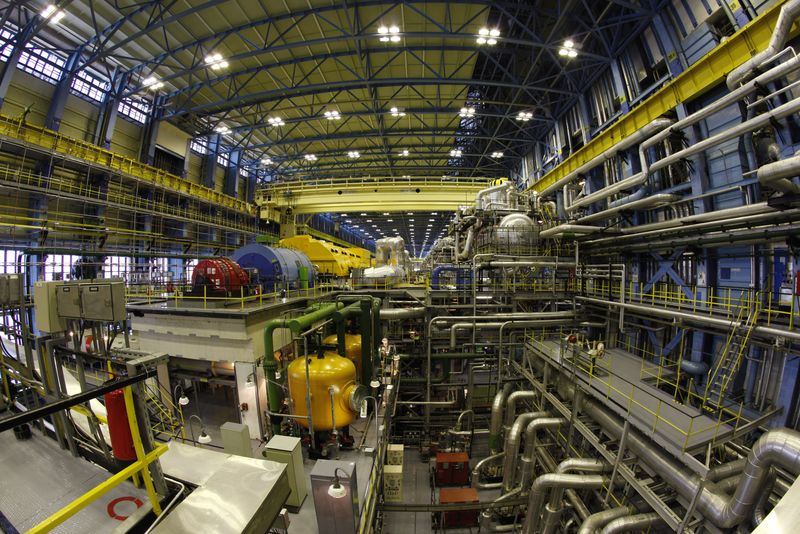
(647, 202)
(491, 190)
(638, 136)
(632, 522)
(537, 319)
(396, 314)
(496, 421)
(554, 480)
(474, 225)
(780, 34)
(552, 513)
(692, 317)
(726, 470)
(759, 511)
(529, 454)
(600, 519)
(569, 229)
(778, 175)
(511, 404)
(476, 472)
(641, 177)
(511, 447)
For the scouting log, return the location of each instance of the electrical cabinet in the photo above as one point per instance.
(103, 301)
(68, 301)
(458, 518)
(10, 289)
(288, 450)
(452, 469)
(44, 300)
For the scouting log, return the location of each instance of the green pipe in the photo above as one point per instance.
(366, 341)
(305, 322)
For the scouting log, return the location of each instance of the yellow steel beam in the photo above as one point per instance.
(95, 493)
(369, 195)
(698, 78)
(139, 448)
(94, 155)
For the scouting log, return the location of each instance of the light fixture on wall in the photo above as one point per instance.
(336, 490)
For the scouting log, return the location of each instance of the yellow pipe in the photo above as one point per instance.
(137, 445)
(98, 491)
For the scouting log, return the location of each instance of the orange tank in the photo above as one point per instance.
(331, 371)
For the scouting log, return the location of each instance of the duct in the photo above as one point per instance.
(780, 34)
(640, 135)
(555, 480)
(759, 511)
(642, 177)
(496, 421)
(511, 447)
(569, 229)
(529, 455)
(532, 319)
(486, 516)
(778, 175)
(647, 202)
(694, 368)
(476, 472)
(480, 198)
(473, 229)
(726, 470)
(692, 317)
(638, 195)
(552, 514)
(396, 314)
(511, 404)
(600, 519)
(632, 522)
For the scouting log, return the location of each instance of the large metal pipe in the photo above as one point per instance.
(496, 421)
(632, 522)
(780, 35)
(554, 480)
(646, 202)
(476, 472)
(534, 319)
(396, 314)
(511, 447)
(552, 510)
(778, 175)
(568, 229)
(474, 226)
(529, 454)
(693, 317)
(600, 519)
(623, 144)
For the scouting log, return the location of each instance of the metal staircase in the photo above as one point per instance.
(166, 418)
(730, 360)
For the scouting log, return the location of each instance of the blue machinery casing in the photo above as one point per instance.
(276, 268)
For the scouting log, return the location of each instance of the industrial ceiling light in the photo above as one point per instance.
(52, 14)
(488, 36)
(266, 161)
(152, 83)
(466, 112)
(275, 121)
(397, 112)
(222, 129)
(568, 49)
(353, 154)
(524, 116)
(404, 152)
(332, 115)
(497, 154)
(216, 61)
(389, 34)
(310, 157)
(455, 153)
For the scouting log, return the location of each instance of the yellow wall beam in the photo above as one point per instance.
(91, 154)
(369, 195)
(707, 72)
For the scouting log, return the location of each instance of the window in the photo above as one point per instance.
(134, 110)
(89, 87)
(224, 159)
(59, 266)
(116, 267)
(199, 145)
(244, 172)
(6, 36)
(41, 63)
(8, 261)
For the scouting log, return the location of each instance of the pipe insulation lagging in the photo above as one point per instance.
(633, 522)
(512, 443)
(640, 178)
(777, 175)
(554, 480)
(789, 12)
(600, 519)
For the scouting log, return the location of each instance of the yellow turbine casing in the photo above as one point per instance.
(331, 371)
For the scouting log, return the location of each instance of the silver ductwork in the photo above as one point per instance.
(552, 510)
(394, 314)
(600, 519)
(496, 421)
(556, 480)
(778, 175)
(529, 454)
(511, 447)
(633, 522)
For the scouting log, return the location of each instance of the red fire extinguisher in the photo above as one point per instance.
(119, 427)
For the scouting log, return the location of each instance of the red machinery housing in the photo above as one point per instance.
(458, 518)
(452, 469)
(219, 275)
(119, 427)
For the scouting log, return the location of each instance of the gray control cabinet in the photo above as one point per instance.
(103, 301)
(68, 301)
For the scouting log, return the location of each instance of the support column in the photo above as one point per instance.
(231, 185)
(59, 99)
(208, 177)
(148, 152)
(8, 68)
(618, 81)
(107, 120)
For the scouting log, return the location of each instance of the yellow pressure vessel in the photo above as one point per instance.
(352, 348)
(331, 371)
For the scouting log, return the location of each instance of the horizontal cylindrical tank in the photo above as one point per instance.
(275, 268)
(326, 372)
(352, 348)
